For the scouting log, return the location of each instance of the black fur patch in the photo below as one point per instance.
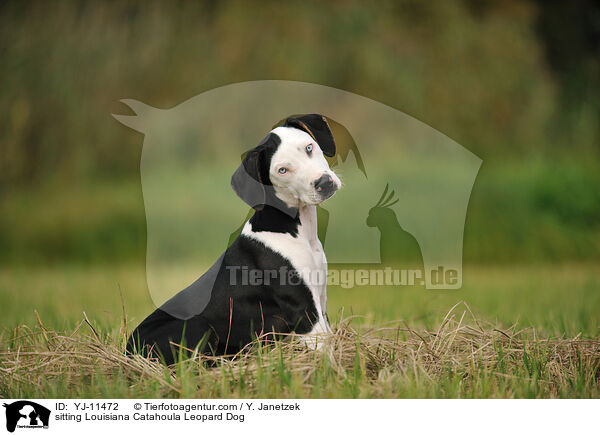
(237, 311)
(274, 220)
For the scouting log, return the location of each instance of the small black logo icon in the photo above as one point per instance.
(26, 414)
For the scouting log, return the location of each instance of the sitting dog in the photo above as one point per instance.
(272, 278)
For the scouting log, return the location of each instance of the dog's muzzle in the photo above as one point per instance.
(325, 186)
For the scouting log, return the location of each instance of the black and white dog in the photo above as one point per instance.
(284, 178)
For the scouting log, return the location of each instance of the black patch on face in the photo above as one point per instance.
(251, 180)
(317, 127)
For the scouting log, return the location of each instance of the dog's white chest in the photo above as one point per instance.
(316, 256)
(305, 253)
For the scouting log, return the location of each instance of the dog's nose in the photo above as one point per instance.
(324, 185)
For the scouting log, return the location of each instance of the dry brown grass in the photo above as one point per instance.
(463, 357)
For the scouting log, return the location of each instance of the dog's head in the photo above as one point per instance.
(288, 168)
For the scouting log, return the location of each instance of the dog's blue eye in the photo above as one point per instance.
(282, 170)
(309, 148)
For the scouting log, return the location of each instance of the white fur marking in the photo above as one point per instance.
(296, 188)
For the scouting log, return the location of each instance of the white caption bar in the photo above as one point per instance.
(159, 416)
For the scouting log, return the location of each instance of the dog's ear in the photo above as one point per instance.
(316, 126)
(247, 180)
(251, 178)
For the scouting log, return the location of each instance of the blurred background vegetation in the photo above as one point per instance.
(516, 82)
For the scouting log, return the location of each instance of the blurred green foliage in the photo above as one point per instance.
(507, 80)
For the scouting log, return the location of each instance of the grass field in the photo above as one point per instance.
(516, 83)
(526, 331)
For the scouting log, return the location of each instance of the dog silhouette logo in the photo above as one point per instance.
(26, 414)
(191, 149)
